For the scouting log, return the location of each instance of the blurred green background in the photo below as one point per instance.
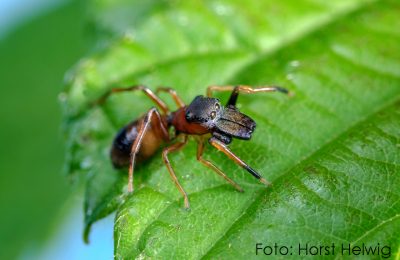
(39, 41)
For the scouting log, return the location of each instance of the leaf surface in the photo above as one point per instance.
(332, 151)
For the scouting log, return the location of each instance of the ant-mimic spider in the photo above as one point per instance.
(141, 138)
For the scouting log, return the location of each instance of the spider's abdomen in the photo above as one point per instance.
(123, 141)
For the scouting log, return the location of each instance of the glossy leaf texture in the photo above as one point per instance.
(332, 151)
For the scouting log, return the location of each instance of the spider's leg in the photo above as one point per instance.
(243, 89)
(200, 150)
(223, 148)
(150, 94)
(142, 129)
(178, 101)
(173, 148)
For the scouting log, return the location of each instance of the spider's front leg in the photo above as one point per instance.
(208, 164)
(243, 89)
(224, 148)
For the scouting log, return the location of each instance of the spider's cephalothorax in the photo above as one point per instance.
(224, 122)
(141, 138)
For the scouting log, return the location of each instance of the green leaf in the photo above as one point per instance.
(332, 151)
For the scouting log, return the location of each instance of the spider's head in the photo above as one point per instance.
(225, 120)
(204, 110)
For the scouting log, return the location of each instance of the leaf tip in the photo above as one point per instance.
(86, 233)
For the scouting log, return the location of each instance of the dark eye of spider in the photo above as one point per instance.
(217, 106)
(189, 115)
(213, 114)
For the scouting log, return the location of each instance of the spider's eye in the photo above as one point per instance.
(189, 115)
(213, 114)
(217, 106)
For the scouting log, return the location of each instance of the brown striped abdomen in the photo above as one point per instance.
(123, 141)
